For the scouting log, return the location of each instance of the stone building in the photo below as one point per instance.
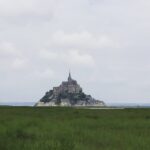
(69, 86)
(69, 93)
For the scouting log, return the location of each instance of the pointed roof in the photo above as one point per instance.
(69, 78)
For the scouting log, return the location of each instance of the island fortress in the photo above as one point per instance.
(69, 93)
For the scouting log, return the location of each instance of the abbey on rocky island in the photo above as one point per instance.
(69, 93)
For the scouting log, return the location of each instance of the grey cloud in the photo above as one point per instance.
(72, 57)
(104, 43)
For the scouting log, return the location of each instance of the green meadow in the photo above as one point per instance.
(31, 128)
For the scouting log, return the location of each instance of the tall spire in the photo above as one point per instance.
(69, 78)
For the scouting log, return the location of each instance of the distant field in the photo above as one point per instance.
(25, 128)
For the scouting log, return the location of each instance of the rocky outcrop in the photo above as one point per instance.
(69, 93)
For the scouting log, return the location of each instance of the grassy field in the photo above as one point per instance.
(25, 128)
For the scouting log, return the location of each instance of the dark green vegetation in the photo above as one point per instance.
(24, 128)
(73, 97)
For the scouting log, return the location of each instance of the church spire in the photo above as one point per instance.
(69, 78)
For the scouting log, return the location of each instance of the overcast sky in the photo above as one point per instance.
(105, 43)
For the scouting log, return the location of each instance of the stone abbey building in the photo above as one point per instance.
(69, 86)
(69, 93)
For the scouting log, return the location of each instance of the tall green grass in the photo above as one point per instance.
(25, 128)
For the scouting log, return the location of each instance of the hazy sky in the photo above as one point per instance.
(105, 43)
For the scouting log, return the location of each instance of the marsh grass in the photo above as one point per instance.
(27, 128)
